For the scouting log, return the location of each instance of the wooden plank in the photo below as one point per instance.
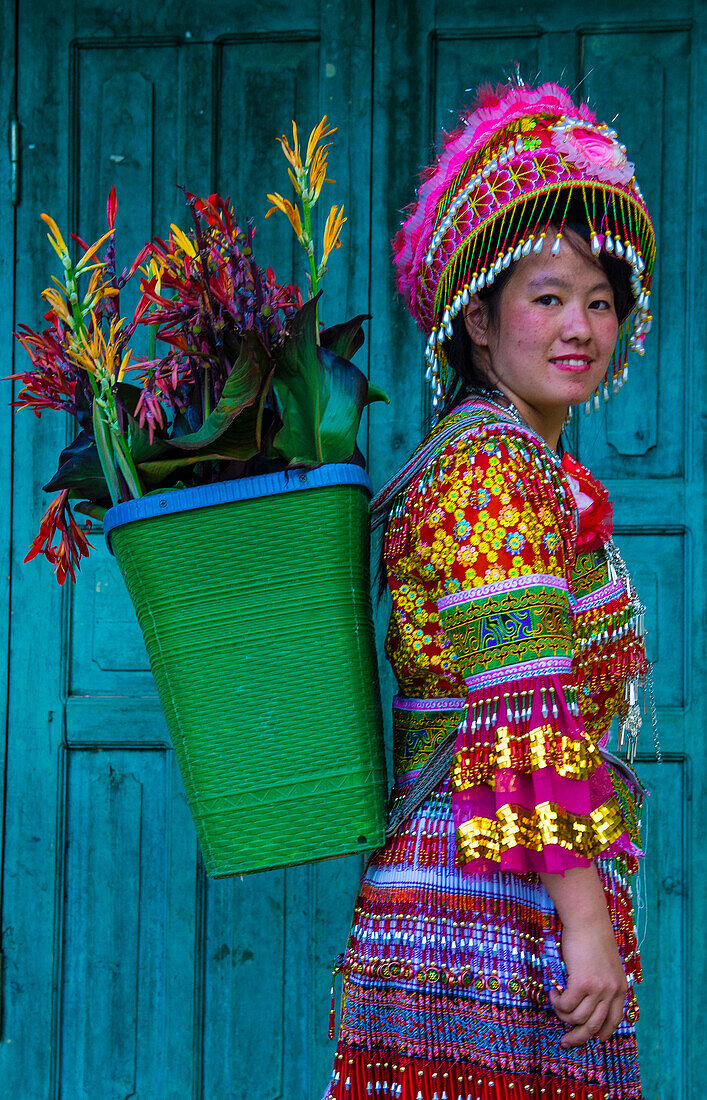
(35, 719)
(127, 951)
(9, 196)
(661, 896)
(642, 430)
(243, 1053)
(695, 625)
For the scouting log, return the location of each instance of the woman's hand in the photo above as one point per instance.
(592, 1003)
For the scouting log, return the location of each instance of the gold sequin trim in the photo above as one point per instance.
(541, 747)
(548, 823)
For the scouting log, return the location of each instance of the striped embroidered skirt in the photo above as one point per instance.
(446, 979)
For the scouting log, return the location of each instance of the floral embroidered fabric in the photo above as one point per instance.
(508, 633)
(483, 582)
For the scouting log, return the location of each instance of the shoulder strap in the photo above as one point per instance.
(380, 505)
(434, 771)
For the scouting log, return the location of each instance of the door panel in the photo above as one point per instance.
(128, 972)
(647, 444)
(641, 434)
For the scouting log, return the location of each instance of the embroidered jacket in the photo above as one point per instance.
(506, 620)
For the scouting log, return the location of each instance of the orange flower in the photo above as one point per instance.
(318, 171)
(293, 155)
(90, 252)
(318, 133)
(58, 305)
(287, 208)
(99, 356)
(55, 238)
(332, 231)
(180, 238)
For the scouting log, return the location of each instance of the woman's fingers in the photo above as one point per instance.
(588, 1013)
(592, 1003)
(590, 1018)
(613, 1017)
(574, 1004)
(581, 1034)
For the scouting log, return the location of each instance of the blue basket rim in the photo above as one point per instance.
(172, 501)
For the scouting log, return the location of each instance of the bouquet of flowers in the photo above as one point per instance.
(250, 382)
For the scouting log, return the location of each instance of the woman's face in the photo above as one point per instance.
(554, 333)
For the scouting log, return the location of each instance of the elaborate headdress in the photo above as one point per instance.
(515, 163)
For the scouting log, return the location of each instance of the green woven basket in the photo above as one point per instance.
(253, 597)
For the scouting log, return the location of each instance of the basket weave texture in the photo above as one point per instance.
(256, 615)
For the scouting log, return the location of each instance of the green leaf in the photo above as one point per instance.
(241, 390)
(320, 397)
(139, 440)
(166, 489)
(154, 472)
(127, 468)
(128, 395)
(89, 508)
(345, 339)
(237, 443)
(376, 393)
(80, 468)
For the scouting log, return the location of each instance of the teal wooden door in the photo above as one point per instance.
(648, 445)
(127, 973)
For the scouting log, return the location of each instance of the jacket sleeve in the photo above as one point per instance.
(529, 790)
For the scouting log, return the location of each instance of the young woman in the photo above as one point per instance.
(493, 952)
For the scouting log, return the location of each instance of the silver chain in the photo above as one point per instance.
(632, 723)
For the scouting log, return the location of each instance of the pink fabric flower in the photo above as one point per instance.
(461, 227)
(525, 174)
(596, 516)
(593, 152)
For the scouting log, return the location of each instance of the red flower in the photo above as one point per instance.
(592, 499)
(50, 384)
(73, 544)
(111, 208)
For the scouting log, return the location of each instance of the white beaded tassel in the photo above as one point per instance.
(610, 241)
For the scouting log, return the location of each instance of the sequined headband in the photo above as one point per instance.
(509, 171)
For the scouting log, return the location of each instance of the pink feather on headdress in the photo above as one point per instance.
(493, 109)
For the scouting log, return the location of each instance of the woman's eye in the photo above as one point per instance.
(600, 303)
(547, 299)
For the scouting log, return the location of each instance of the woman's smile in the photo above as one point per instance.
(574, 364)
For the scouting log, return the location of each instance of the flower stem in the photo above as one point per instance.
(309, 246)
(105, 451)
(206, 395)
(113, 448)
(127, 465)
(151, 342)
